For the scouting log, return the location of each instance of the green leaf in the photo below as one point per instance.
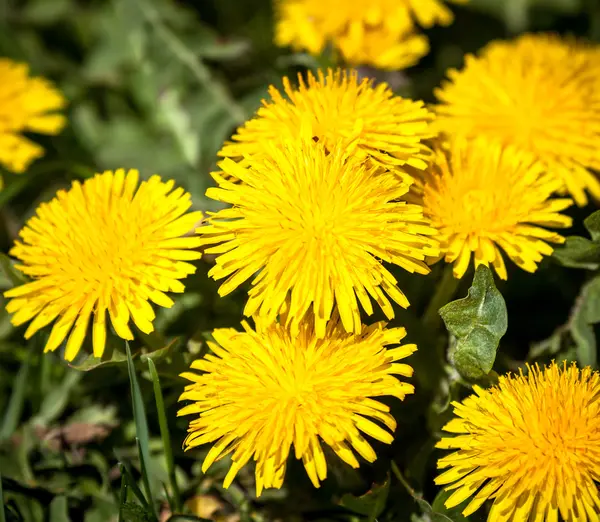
(112, 358)
(433, 515)
(46, 12)
(141, 426)
(454, 513)
(478, 322)
(372, 503)
(13, 412)
(584, 314)
(579, 252)
(59, 510)
(56, 401)
(160, 355)
(133, 513)
(9, 270)
(577, 331)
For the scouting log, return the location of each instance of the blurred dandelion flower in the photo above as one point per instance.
(531, 444)
(26, 105)
(483, 197)
(539, 93)
(103, 246)
(379, 34)
(388, 129)
(263, 391)
(315, 224)
(357, 32)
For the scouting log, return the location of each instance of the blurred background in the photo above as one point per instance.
(159, 85)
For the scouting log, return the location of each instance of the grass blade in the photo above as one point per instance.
(165, 436)
(123, 493)
(14, 410)
(141, 428)
(2, 514)
(144, 470)
(134, 487)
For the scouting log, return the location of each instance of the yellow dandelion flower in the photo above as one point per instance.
(483, 198)
(539, 93)
(315, 224)
(26, 105)
(263, 391)
(531, 444)
(381, 35)
(103, 246)
(388, 129)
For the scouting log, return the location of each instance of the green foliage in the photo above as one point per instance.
(159, 85)
(579, 252)
(477, 322)
(371, 504)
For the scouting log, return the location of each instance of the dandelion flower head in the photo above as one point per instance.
(26, 105)
(313, 225)
(261, 392)
(353, 29)
(539, 93)
(531, 444)
(484, 198)
(104, 246)
(388, 129)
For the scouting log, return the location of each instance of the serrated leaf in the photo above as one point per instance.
(579, 252)
(371, 504)
(161, 354)
(478, 322)
(91, 363)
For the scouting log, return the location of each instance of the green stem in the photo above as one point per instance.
(403, 481)
(445, 291)
(164, 434)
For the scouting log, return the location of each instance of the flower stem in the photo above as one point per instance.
(445, 291)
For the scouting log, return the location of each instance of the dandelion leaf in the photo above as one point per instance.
(477, 322)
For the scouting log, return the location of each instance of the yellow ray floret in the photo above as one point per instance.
(540, 93)
(531, 444)
(105, 245)
(26, 105)
(388, 129)
(315, 224)
(484, 198)
(263, 391)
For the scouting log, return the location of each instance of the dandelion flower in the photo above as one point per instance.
(381, 35)
(315, 224)
(483, 198)
(100, 247)
(389, 130)
(531, 444)
(539, 93)
(26, 105)
(263, 391)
